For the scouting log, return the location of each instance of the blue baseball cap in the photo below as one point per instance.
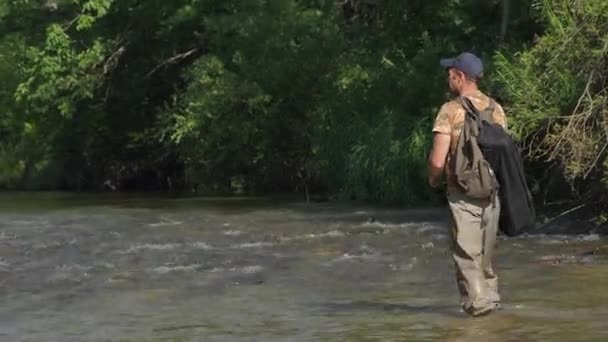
(466, 62)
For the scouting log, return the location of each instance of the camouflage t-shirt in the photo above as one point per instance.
(450, 120)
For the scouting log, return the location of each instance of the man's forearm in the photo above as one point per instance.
(437, 158)
(434, 175)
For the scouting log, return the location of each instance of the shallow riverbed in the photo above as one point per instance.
(118, 268)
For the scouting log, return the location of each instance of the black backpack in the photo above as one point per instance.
(517, 212)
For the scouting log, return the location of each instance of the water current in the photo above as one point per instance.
(129, 268)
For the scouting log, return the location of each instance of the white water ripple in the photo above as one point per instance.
(165, 223)
(170, 269)
(257, 244)
(4, 266)
(168, 246)
(166, 269)
(245, 269)
(332, 233)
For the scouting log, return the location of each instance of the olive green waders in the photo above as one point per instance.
(473, 233)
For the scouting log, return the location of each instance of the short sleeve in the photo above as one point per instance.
(499, 116)
(443, 122)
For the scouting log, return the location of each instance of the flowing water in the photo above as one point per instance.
(100, 268)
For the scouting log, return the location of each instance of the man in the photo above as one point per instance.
(474, 221)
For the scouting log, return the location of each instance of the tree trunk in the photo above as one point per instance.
(506, 13)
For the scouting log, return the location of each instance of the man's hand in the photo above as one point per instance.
(435, 183)
(437, 157)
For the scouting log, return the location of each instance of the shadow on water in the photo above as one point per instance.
(51, 201)
(355, 212)
(447, 310)
(181, 327)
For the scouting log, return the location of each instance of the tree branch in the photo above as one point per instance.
(71, 23)
(173, 60)
(112, 61)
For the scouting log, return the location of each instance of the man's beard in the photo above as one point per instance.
(453, 92)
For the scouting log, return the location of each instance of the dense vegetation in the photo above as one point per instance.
(265, 96)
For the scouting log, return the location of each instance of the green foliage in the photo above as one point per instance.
(91, 10)
(375, 118)
(248, 109)
(556, 90)
(12, 127)
(58, 76)
(218, 122)
(271, 95)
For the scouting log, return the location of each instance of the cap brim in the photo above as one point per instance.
(447, 62)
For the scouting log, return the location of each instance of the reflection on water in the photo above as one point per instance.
(101, 268)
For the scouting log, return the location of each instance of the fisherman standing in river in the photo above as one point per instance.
(474, 221)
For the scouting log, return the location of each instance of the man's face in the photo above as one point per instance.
(455, 80)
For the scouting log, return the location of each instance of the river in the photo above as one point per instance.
(136, 268)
